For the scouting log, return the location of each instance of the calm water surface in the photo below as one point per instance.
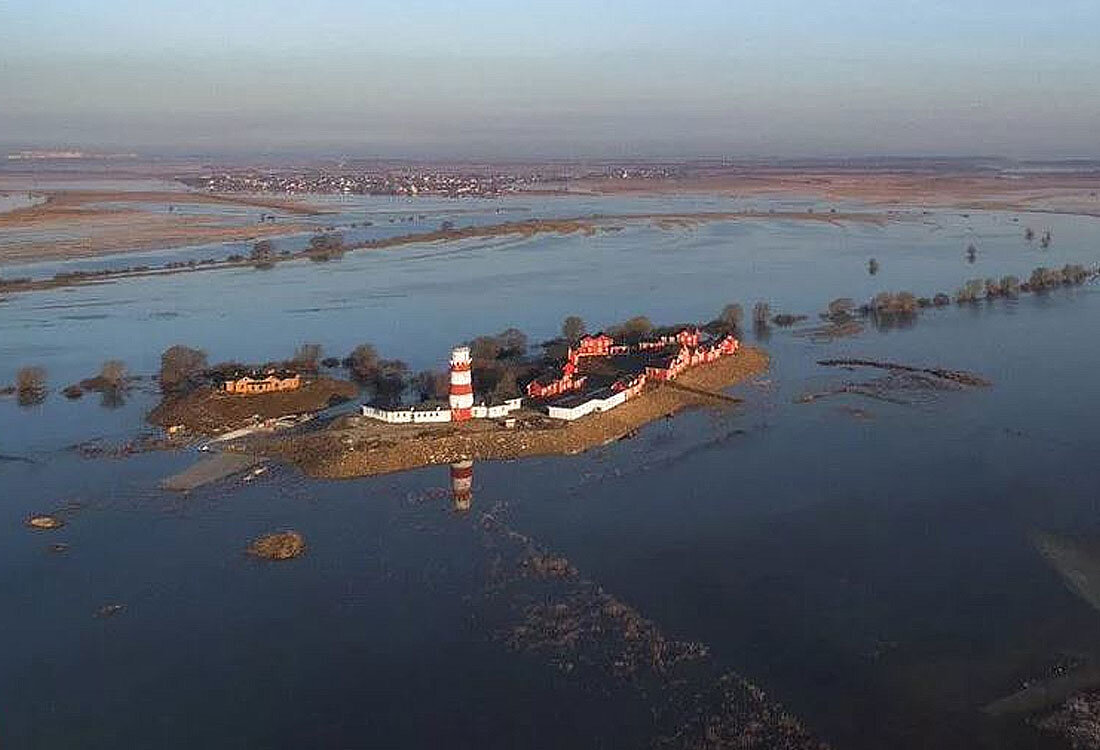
(874, 570)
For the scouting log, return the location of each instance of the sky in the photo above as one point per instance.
(491, 79)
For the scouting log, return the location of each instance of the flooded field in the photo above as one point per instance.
(882, 570)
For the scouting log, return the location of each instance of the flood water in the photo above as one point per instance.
(871, 565)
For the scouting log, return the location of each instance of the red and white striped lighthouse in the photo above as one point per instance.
(462, 387)
(462, 484)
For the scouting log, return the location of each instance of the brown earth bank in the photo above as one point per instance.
(589, 225)
(1072, 193)
(81, 228)
(209, 411)
(357, 446)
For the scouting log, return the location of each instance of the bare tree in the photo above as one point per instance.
(761, 313)
(390, 380)
(307, 357)
(178, 366)
(431, 384)
(513, 343)
(485, 348)
(363, 363)
(506, 387)
(573, 329)
(732, 315)
(634, 329)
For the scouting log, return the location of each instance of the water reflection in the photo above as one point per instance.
(462, 480)
(1077, 560)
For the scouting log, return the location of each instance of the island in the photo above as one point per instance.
(603, 389)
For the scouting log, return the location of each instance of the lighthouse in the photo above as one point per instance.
(462, 388)
(462, 480)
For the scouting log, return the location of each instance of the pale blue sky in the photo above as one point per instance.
(488, 78)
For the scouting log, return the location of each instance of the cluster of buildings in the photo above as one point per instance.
(411, 183)
(600, 373)
(252, 382)
(597, 375)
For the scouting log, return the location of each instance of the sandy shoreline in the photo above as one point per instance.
(368, 448)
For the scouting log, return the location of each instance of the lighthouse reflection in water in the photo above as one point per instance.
(462, 481)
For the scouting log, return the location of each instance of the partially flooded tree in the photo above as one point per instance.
(1029, 234)
(30, 385)
(573, 329)
(872, 266)
(971, 253)
(113, 374)
(972, 291)
(178, 367)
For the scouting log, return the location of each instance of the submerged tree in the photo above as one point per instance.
(761, 313)
(872, 266)
(30, 385)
